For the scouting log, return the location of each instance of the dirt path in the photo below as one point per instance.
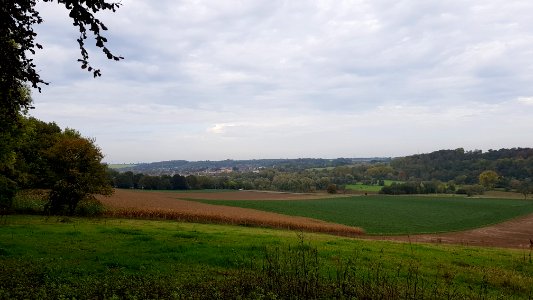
(131, 203)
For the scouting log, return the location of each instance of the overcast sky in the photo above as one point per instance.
(210, 80)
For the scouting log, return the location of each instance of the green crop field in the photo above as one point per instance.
(120, 166)
(62, 258)
(363, 187)
(398, 214)
(366, 187)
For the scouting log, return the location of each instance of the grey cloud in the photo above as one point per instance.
(398, 71)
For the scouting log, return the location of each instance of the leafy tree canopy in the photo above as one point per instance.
(488, 179)
(77, 171)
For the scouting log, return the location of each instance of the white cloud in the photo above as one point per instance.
(233, 79)
(525, 100)
(220, 128)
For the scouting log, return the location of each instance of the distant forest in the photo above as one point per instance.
(465, 166)
(191, 167)
(443, 171)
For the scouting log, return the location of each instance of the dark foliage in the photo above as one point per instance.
(17, 70)
(465, 166)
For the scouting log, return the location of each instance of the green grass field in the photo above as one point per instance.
(367, 188)
(120, 166)
(398, 214)
(43, 258)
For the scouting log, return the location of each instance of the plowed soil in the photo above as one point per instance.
(516, 233)
(131, 203)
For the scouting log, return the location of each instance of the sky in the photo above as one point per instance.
(214, 80)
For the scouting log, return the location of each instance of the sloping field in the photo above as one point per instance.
(515, 233)
(131, 203)
(393, 215)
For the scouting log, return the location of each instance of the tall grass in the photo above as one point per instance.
(291, 272)
(295, 273)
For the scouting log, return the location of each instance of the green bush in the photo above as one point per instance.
(30, 201)
(470, 190)
(332, 189)
(89, 207)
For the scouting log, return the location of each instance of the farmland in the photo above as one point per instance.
(398, 214)
(361, 187)
(169, 205)
(162, 244)
(60, 257)
(188, 206)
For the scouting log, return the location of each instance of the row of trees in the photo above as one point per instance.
(319, 179)
(264, 180)
(488, 180)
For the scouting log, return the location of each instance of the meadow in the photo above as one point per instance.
(120, 166)
(66, 258)
(372, 188)
(386, 215)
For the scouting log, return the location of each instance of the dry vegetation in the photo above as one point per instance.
(164, 205)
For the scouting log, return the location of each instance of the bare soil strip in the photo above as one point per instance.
(130, 203)
(516, 233)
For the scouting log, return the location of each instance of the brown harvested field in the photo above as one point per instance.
(165, 205)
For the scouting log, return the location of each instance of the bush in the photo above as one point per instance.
(332, 189)
(90, 207)
(470, 190)
(30, 201)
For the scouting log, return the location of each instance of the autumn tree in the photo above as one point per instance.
(488, 179)
(78, 172)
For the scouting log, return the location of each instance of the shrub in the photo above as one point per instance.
(90, 207)
(30, 201)
(470, 190)
(332, 189)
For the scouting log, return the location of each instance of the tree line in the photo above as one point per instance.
(471, 172)
(444, 171)
(264, 179)
(464, 167)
